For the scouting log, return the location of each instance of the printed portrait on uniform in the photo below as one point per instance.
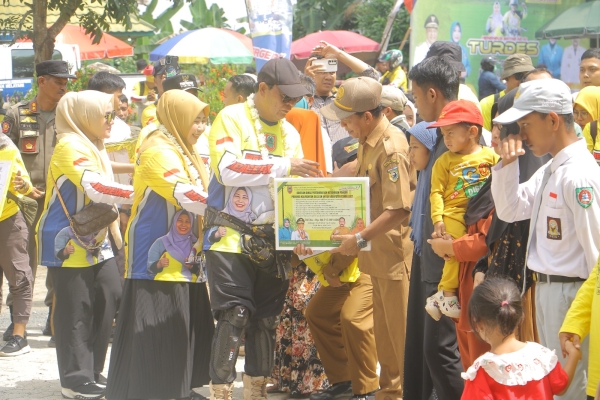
(174, 255)
(76, 250)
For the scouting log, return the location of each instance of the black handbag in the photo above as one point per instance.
(90, 219)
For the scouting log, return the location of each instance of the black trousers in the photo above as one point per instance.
(441, 352)
(235, 281)
(86, 302)
(431, 360)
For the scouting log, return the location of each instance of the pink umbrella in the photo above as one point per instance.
(351, 42)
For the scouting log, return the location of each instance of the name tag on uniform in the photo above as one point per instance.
(30, 133)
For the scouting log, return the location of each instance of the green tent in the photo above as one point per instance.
(576, 22)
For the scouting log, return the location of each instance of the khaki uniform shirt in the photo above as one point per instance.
(34, 136)
(383, 157)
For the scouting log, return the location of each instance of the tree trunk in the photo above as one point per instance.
(44, 37)
(43, 45)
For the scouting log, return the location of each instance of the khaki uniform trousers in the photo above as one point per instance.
(390, 301)
(341, 323)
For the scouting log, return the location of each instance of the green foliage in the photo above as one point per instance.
(125, 64)
(371, 17)
(164, 28)
(215, 78)
(203, 17)
(317, 15)
(94, 22)
(80, 83)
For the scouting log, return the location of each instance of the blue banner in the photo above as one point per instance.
(271, 29)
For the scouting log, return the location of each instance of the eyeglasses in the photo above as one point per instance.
(110, 116)
(581, 114)
(285, 99)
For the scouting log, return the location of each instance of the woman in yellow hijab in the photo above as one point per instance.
(165, 290)
(587, 109)
(83, 269)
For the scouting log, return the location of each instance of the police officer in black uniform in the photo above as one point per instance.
(30, 125)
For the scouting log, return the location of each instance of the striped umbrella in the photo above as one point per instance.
(201, 46)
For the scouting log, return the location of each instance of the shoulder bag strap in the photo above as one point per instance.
(62, 203)
(59, 196)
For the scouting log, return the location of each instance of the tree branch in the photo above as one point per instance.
(65, 16)
(20, 27)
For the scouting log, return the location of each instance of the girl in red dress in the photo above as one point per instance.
(511, 370)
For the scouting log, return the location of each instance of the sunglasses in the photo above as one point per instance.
(289, 100)
(110, 116)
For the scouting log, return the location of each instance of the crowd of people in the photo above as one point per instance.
(481, 279)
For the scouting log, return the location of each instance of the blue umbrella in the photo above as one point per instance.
(201, 46)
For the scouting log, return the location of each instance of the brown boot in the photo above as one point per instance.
(222, 391)
(255, 387)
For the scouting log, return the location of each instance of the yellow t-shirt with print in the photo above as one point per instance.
(11, 207)
(455, 179)
(233, 134)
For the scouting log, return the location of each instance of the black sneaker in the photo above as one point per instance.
(339, 390)
(47, 329)
(100, 379)
(8, 332)
(52, 342)
(367, 396)
(87, 391)
(15, 346)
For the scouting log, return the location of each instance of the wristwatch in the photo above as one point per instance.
(360, 242)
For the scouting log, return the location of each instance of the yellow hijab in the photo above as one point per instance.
(177, 110)
(79, 112)
(589, 99)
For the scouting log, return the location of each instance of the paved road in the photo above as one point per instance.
(35, 375)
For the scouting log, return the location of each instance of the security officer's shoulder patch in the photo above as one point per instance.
(6, 125)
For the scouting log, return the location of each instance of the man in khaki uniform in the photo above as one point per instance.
(383, 157)
(30, 125)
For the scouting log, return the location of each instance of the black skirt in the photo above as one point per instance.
(161, 348)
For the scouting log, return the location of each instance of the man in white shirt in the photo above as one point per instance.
(432, 25)
(560, 201)
(571, 59)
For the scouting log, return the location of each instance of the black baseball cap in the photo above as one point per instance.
(283, 73)
(57, 68)
(345, 150)
(181, 82)
(451, 51)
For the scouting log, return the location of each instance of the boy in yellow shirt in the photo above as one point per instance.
(456, 177)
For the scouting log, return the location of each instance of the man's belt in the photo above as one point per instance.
(557, 278)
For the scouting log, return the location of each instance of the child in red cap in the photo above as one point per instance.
(456, 177)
